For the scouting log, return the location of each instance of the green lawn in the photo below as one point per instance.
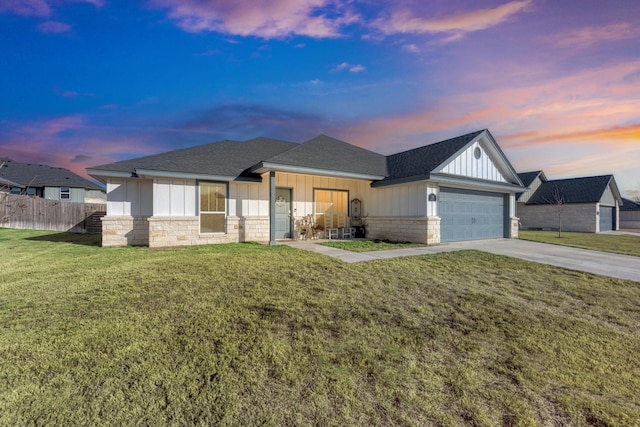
(369, 245)
(247, 334)
(619, 244)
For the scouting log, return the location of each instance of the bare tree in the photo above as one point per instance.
(636, 194)
(559, 203)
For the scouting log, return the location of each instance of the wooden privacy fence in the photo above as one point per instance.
(43, 214)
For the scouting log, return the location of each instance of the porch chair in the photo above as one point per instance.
(331, 230)
(343, 226)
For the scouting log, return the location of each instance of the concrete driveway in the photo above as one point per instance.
(602, 263)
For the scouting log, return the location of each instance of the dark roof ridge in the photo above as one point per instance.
(465, 136)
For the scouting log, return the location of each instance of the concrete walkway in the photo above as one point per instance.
(602, 263)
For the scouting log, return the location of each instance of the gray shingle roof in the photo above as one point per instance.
(36, 175)
(629, 205)
(224, 158)
(528, 177)
(419, 162)
(573, 190)
(326, 153)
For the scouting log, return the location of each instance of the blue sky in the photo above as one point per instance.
(87, 82)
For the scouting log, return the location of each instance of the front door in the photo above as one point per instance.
(283, 213)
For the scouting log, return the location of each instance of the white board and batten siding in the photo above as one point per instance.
(129, 198)
(303, 187)
(533, 187)
(248, 199)
(467, 165)
(432, 205)
(174, 197)
(608, 199)
(402, 200)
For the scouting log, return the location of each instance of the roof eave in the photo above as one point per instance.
(396, 181)
(493, 185)
(264, 167)
(5, 181)
(150, 173)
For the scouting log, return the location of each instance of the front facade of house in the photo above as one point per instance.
(258, 190)
(587, 204)
(48, 182)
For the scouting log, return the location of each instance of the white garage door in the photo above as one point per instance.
(471, 215)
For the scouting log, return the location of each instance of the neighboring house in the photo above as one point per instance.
(629, 214)
(459, 189)
(48, 182)
(588, 204)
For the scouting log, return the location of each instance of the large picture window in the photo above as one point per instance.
(213, 196)
(330, 202)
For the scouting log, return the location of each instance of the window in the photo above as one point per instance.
(31, 191)
(65, 193)
(213, 196)
(15, 190)
(330, 202)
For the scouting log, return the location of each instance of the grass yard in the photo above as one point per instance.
(369, 245)
(619, 244)
(246, 334)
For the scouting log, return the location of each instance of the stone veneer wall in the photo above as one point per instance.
(515, 227)
(124, 230)
(185, 231)
(401, 229)
(575, 217)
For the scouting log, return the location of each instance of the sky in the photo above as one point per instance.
(557, 82)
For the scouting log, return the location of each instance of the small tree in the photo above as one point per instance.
(636, 194)
(559, 203)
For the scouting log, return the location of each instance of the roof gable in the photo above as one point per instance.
(416, 164)
(533, 180)
(474, 161)
(451, 158)
(527, 178)
(573, 190)
(37, 175)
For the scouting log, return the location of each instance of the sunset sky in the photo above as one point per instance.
(557, 82)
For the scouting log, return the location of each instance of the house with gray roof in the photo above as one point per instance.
(630, 214)
(586, 204)
(262, 189)
(48, 182)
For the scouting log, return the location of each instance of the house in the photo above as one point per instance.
(588, 204)
(48, 182)
(630, 214)
(460, 189)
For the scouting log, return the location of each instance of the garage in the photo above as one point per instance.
(606, 218)
(471, 215)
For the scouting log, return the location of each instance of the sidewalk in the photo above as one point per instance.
(602, 263)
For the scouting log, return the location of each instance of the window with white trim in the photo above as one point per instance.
(213, 199)
(65, 193)
(330, 202)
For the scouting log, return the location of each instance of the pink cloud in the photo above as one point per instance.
(413, 48)
(54, 27)
(261, 18)
(42, 8)
(406, 21)
(588, 36)
(69, 142)
(26, 7)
